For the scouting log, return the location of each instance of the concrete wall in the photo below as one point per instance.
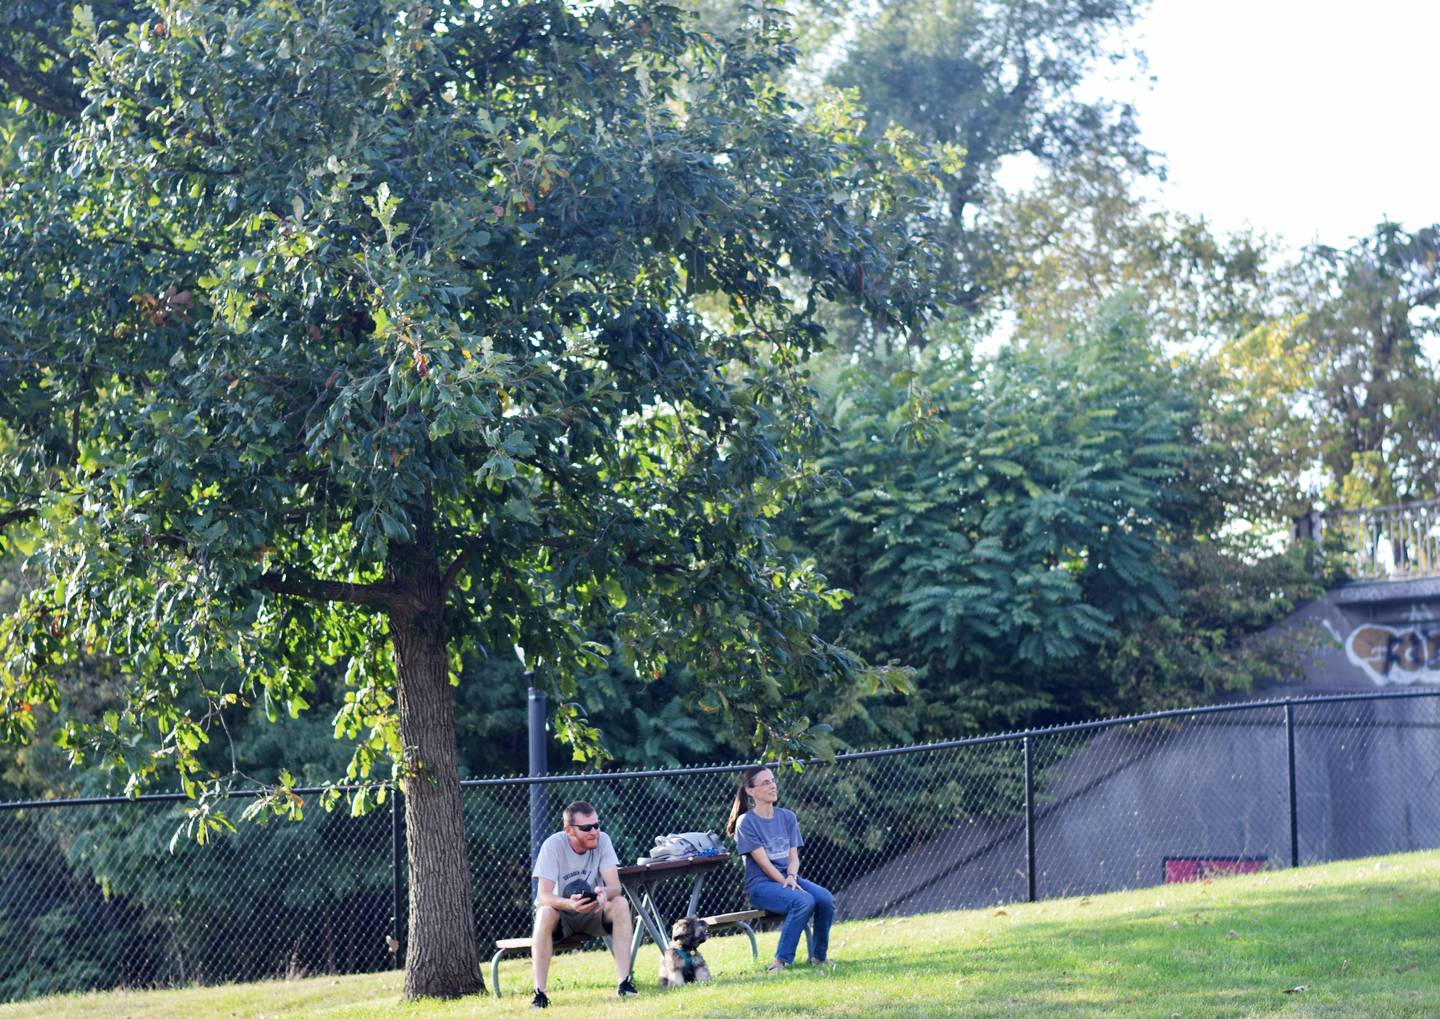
(1116, 803)
(1375, 636)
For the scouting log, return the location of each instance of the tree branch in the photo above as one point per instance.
(159, 247)
(305, 586)
(15, 516)
(47, 91)
(452, 572)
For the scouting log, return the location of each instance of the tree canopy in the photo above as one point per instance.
(1369, 365)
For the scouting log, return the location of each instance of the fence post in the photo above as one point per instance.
(1029, 820)
(1290, 780)
(539, 810)
(397, 872)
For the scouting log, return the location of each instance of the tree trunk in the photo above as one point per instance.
(440, 956)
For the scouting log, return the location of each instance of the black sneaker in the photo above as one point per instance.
(626, 989)
(539, 1001)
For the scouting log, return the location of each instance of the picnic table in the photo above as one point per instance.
(640, 881)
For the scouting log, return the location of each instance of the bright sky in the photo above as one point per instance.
(1310, 120)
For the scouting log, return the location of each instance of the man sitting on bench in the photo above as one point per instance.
(578, 892)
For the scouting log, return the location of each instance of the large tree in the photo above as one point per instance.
(384, 332)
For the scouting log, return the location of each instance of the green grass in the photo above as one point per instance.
(1362, 937)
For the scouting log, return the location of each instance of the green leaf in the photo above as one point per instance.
(498, 468)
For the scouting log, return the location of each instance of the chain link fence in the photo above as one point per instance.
(92, 897)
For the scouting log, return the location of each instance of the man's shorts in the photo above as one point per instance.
(593, 924)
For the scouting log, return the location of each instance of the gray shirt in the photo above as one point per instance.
(776, 835)
(557, 862)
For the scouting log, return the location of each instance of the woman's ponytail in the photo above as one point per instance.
(742, 798)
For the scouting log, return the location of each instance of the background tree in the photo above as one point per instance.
(1080, 236)
(1040, 536)
(1371, 369)
(998, 523)
(1332, 398)
(392, 333)
(991, 80)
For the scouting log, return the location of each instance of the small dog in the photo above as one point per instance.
(682, 962)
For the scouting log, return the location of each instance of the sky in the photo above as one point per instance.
(1307, 120)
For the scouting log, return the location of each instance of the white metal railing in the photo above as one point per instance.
(1397, 542)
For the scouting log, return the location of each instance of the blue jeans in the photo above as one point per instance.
(798, 905)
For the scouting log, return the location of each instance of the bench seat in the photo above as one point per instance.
(747, 920)
(732, 919)
(505, 946)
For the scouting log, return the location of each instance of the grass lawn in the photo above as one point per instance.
(1360, 938)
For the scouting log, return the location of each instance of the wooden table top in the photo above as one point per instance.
(679, 865)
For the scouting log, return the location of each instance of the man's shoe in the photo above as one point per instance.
(626, 989)
(539, 1001)
(775, 967)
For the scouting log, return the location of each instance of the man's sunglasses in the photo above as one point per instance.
(587, 827)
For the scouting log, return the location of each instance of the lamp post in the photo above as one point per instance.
(539, 808)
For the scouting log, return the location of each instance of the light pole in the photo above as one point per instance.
(539, 808)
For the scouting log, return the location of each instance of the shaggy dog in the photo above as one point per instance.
(682, 961)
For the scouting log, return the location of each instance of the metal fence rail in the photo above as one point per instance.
(91, 897)
(1390, 542)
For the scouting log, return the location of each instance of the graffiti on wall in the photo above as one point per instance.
(1397, 655)
(1177, 869)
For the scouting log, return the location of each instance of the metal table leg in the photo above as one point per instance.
(650, 920)
(695, 894)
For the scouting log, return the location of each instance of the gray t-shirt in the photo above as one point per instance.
(561, 864)
(776, 835)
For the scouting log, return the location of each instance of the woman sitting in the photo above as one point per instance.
(769, 838)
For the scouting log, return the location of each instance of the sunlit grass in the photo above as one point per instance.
(1360, 937)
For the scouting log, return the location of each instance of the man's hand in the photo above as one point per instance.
(791, 881)
(589, 904)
